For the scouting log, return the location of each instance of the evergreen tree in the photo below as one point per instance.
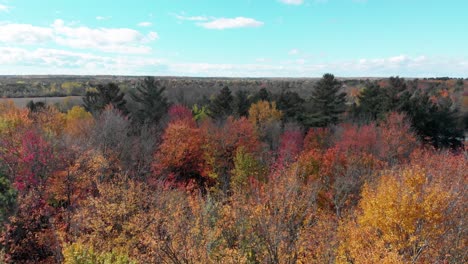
(262, 95)
(241, 103)
(221, 107)
(35, 107)
(96, 101)
(397, 92)
(373, 103)
(149, 94)
(291, 104)
(436, 124)
(327, 103)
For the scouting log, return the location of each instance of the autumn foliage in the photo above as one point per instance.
(103, 188)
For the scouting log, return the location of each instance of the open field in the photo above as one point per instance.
(22, 102)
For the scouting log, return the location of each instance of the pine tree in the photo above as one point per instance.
(221, 107)
(373, 103)
(149, 94)
(96, 101)
(436, 124)
(241, 103)
(35, 106)
(262, 95)
(291, 104)
(327, 103)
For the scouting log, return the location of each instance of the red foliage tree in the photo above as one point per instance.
(318, 138)
(179, 112)
(358, 139)
(223, 142)
(181, 157)
(29, 236)
(35, 160)
(291, 142)
(397, 140)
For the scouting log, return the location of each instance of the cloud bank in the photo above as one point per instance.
(112, 40)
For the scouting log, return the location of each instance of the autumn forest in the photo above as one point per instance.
(282, 171)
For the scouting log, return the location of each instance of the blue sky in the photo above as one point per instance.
(235, 38)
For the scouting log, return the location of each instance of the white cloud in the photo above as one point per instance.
(25, 34)
(115, 40)
(293, 52)
(145, 24)
(292, 2)
(118, 40)
(219, 23)
(401, 65)
(191, 18)
(301, 61)
(4, 8)
(54, 61)
(228, 23)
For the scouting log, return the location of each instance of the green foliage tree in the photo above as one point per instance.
(96, 100)
(436, 124)
(245, 166)
(327, 103)
(241, 103)
(149, 94)
(291, 104)
(262, 95)
(221, 107)
(200, 113)
(7, 197)
(373, 103)
(397, 92)
(35, 106)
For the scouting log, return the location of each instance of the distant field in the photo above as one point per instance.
(21, 102)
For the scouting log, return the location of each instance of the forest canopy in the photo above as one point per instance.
(247, 171)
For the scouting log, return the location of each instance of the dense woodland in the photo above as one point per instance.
(283, 171)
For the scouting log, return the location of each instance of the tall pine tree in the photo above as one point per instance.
(435, 123)
(374, 103)
(241, 103)
(327, 103)
(149, 94)
(291, 104)
(221, 106)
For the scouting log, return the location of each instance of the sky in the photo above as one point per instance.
(235, 38)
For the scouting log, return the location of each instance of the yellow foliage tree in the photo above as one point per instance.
(79, 253)
(117, 218)
(78, 122)
(245, 166)
(12, 118)
(402, 219)
(50, 120)
(263, 113)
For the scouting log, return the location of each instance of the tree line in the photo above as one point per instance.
(437, 121)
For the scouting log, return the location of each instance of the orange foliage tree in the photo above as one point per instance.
(224, 143)
(180, 158)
